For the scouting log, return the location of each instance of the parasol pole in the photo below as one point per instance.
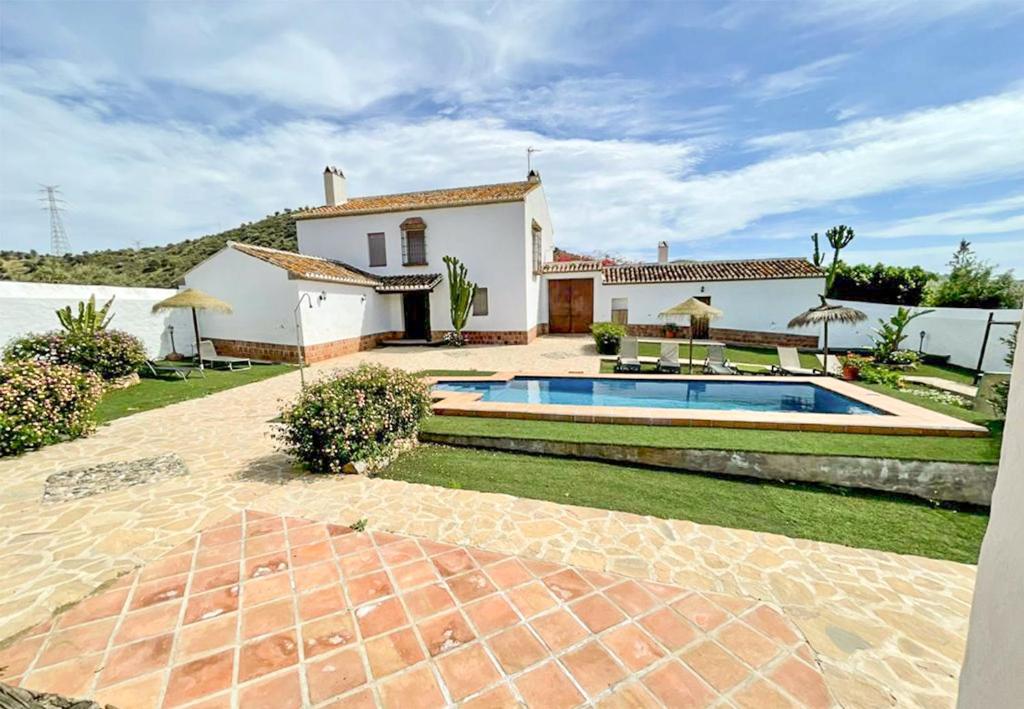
(825, 364)
(195, 326)
(689, 357)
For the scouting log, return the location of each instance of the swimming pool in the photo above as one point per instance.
(773, 396)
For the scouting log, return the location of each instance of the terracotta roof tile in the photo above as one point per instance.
(310, 268)
(744, 270)
(430, 199)
(404, 284)
(571, 266)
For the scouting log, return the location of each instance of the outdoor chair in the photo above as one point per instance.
(716, 363)
(629, 355)
(208, 355)
(161, 370)
(668, 362)
(789, 363)
(832, 367)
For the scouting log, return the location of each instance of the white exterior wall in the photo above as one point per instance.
(261, 295)
(762, 306)
(489, 239)
(348, 311)
(957, 332)
(991, 675)
(31, 307)
(537, 210)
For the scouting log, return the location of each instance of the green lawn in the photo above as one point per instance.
(152, 393)
(965, 450)
(855, 518)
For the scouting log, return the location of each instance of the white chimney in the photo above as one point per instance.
(533, 177)
(662, 252)
(335, 189)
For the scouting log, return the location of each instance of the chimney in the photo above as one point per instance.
(533, 177)
(335, 189)
(662, 252)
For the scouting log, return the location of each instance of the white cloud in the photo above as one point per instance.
(998, 216)
(798, 79)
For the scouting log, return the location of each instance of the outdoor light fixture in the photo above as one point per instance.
(920, 347)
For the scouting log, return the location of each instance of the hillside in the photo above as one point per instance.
(152, 266)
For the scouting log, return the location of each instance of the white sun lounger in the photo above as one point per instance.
(789, 363)
(208, 354)
(629, 355)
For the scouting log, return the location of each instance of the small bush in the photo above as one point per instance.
(108, 353)
(44, 403)
(874, 373)
(355, 415)
(607, 336)
(902, 358)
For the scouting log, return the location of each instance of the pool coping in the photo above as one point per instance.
(904, 418)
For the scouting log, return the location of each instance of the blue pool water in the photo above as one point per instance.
(666, 394)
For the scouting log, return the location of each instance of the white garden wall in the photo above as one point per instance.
(30, 307)
(957, 332)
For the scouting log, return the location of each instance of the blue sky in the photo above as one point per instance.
(731, 130)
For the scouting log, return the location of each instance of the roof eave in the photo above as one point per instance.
(305, 216)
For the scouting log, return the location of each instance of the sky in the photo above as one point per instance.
(728, 129)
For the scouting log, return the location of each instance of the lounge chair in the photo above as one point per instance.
(668, 362)
(716, 363)
(208, 355)
(629, 355)
(833, 367)
(161, 370)
(789, 363)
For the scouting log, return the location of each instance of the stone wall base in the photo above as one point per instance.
(753, 338)
(290, 353)
(933, 480)
(495, 337)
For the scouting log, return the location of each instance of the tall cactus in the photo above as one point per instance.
(89, 320)
(839, 237)
(460, 292)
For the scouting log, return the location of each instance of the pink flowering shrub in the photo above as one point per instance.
(108, 353)
(354, 415)
(43, 403)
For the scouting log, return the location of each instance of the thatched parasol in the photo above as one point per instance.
(194, 299)
(825, 314)
(690, 308)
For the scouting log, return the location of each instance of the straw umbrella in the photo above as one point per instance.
(196, 300)
(692, 308)
(825, 314)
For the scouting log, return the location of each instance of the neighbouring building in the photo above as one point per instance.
(370, 269)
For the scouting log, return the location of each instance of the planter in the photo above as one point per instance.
(851, 372)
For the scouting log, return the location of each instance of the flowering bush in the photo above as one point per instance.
(353, 416)
(43, 403)
(109, 353)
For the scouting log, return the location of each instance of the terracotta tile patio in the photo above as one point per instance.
(264, 610)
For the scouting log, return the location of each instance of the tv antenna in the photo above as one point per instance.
(59, 242)
(529, 157)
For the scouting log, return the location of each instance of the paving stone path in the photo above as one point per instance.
(886, 629)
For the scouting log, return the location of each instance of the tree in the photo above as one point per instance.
(899, 285)
(891, 333)
(460, 294)
(971, 283)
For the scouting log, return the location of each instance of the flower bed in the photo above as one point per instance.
(112, 354)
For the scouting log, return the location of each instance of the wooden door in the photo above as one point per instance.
(570, 305)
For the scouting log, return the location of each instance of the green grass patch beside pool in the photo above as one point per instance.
(960, 450)
(153, 393)
(854, 518)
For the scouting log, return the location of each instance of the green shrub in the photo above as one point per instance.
(353, 416)
(874, 373)
(108, 353)
(607, 336)
(44, 403)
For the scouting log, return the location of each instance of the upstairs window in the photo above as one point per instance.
(414, 242)
(378, 250)
(480, 301)
(538, 249)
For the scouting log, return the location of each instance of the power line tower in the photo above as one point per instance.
(59, 242)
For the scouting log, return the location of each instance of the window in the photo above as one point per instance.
(414, 242)
(620, 310)
(538, 249)
(378, 251)
(480, 302)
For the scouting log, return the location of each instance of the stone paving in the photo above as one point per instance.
(270, 611)
(886, 629)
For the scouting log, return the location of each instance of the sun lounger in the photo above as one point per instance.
(833, 366)
(182, 373)
(716, 363)
(208, 355)
(629, 356)
(668, 362)
(789, 363)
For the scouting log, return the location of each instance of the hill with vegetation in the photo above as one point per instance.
(150, 266)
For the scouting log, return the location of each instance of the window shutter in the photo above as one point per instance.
(480, 302)
(378, 249)
(538, 255)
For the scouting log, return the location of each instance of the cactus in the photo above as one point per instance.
(460, 292)
(89, 320)
(819, 258)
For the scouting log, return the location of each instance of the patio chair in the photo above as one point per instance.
(161, 370)
(832, 367)
(716, 363)
(208, 355)
(789, 363)
(629, 355)
(668, 362)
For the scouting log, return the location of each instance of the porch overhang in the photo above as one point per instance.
(408, 284)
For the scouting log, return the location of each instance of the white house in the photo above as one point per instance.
(370, 269)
